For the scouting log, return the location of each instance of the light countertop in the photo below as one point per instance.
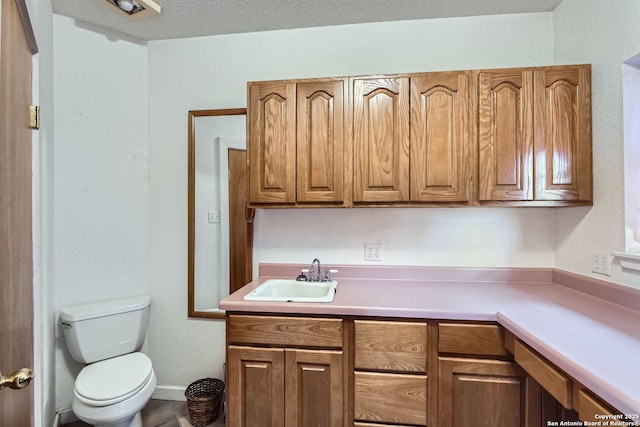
(596, 341)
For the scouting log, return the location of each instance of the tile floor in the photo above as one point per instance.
(165, 413)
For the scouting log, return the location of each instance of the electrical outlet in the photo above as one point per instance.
(601, 263)
(373, 252)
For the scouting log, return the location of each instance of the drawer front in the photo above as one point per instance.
(546, 374)
(589, 406)
(390, 398)
(468, 339)
(285, 331)
(391, 346)
(357, 424)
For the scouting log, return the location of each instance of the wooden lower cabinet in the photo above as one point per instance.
(391, 381)
(286, 371)
(314, 388)
(285, 387)
(255, 387)
(483, 392)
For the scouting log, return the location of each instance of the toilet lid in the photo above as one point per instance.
(113, 380)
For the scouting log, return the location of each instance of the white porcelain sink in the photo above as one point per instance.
(288, 290)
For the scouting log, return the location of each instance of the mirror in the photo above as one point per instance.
(219, 223)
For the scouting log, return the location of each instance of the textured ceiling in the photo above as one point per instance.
(193, 18)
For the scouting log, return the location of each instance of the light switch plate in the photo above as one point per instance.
(213, 217)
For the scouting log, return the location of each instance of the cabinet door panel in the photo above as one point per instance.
(505, 141)
(272, 144)
(314, 388)
(563, 133)
(320, 141)
(255, 387)
(439, 146)
(486, 392)
(381, 140)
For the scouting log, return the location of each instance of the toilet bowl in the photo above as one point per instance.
(117, 381)
(112, 393)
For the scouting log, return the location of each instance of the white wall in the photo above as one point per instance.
(211, 72)
(603, 34)
(101, 175)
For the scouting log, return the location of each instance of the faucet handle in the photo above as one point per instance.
(312, 276)
(327, 274)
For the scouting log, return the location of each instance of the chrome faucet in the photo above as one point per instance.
(315, 273)
(318, 275)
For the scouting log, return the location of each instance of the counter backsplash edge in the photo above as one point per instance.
(610, 291)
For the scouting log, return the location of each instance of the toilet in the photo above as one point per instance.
(118, 381)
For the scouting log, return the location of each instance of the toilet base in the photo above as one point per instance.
(136, 421)
(122, 414)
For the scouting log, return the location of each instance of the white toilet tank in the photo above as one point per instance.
(107, 329)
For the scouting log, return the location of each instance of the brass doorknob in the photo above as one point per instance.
(19, 379)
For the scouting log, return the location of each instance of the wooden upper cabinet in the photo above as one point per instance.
(381, 140)
(510, 137)
(505, 135)
(562, 140)
(321, 141)
(440, 136)
(271, 143)
(534, 135)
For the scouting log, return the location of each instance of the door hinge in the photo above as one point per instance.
(34, 117)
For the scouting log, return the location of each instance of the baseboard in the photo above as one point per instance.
(168, 392)
(63, 417)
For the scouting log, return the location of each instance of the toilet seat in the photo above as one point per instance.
(113, 380)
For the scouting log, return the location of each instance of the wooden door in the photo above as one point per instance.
(320, 141)
(16, 263)
(563, 133)
(255, 387)
(487, 392)
(440, 136)
(271, 142)
(381, 140)
(314, 388)
(240, 223)
(505, 140)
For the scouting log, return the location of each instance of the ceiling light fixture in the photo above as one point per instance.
(133, 10)
(126, 5)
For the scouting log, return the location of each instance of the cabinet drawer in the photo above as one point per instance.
(476, 340)
(357, 424)
(390, 398)
(285, 331)
(546, 374)
(391, 346)
(587, 405)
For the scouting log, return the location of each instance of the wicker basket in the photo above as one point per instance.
(203, 400)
